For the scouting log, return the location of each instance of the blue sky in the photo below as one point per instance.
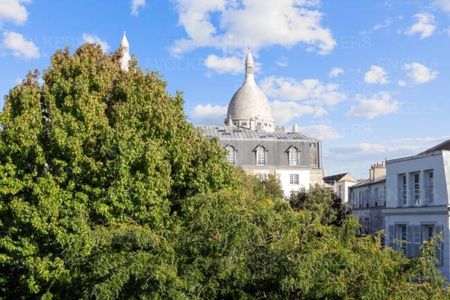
(370, 78)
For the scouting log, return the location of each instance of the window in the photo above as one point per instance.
(383, 196)
(427, 232)
(294, 179)
(429, 186)
(260, 156)
(415, 189)
(263, 176)
(401, 237)
(376, 196)
(402, 189)
(293, 157)
(231, 154)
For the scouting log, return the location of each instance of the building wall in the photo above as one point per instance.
(421, 165)
(308, 168)
(418, 216)
(342, 189)
(284, 176)
(415, 219)
(367, 202)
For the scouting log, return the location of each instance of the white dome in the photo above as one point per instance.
(249, 102)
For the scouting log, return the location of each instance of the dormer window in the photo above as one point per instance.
(293, 156)
(260, 156)
(231, 154)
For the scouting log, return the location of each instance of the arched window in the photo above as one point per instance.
(260, 156)
(231, 154)
(293, 156)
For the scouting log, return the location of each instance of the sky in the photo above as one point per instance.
(370, 79)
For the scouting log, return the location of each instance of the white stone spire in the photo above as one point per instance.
(249, 66)
(249, 107)
(125, 51)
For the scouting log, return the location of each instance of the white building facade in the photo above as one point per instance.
(340, 184)
(255, 144)
(417, 206)
(368, 198)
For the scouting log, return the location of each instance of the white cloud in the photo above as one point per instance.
(222, 65)
(209, 113)
(401, 83)
(375, 106)
(388, 22)
(251, 23)
(93, 39)
(321, 132)
(443, 4)
(19, 46)
(282, 61)
(335, 72)
(13, 11)
(310, 91)
(285, 111)
(390, 148)
(376, 75)
(425, 25)
(420, 73)
(136, 5)
(357, 158)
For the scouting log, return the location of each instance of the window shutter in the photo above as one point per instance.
(440, 250)
(409, 240)
(391, 236)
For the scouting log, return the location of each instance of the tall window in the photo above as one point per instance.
(293, 156)
(401, 236)
(294, 179)
(260, 156)
(376, 196)
(415, 192)
(402, 189)
(429, 186)
(231, 154)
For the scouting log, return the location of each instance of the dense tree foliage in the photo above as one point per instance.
(322, 201)
(106, 192)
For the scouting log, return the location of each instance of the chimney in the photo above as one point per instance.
(377, 170)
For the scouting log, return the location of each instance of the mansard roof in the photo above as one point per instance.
(232, 133)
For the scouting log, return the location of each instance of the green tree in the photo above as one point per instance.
(107, 192)
(91, 162)
(323, 201)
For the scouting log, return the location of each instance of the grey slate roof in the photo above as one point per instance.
(443, 146)
(369, 182)
(229, 133)
(334, 178)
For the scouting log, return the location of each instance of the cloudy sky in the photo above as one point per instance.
(370, 78)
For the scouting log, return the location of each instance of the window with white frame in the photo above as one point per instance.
(263, 176)
(293, 156)
(415, 188)
(260, 156)
(402, 190)
(294, 179)
(429, 186)
(231, 154)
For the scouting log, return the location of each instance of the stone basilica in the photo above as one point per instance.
(254, 142)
